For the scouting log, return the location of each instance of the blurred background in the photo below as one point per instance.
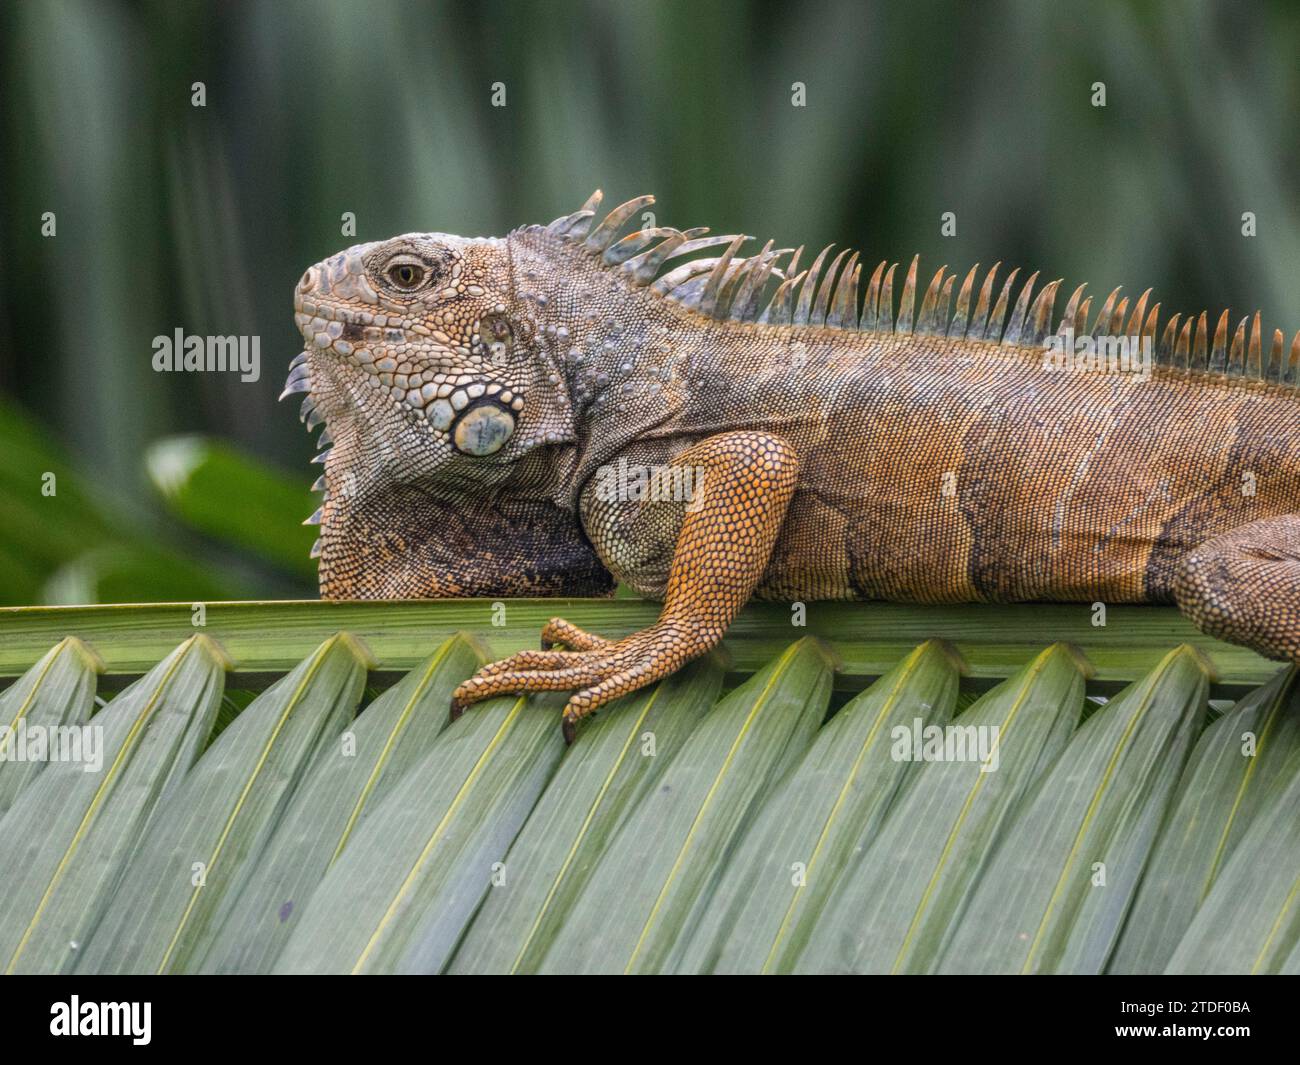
(191, 486)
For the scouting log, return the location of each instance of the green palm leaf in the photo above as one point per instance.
(898, 901)
(66, 841)
(683, 832)
(1239, 759)
(1250, 922)
(1056, 890)
(58, 690)
(622, 755)
(202, 842)
(654, 879)
(400, 895)
(784, 870)
(348, 780)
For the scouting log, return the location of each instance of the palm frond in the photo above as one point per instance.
(767, 809)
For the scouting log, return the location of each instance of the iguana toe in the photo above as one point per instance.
(597, 677)
(561, 632)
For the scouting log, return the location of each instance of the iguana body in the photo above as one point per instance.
(491, 401)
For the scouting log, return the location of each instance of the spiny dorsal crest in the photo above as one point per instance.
(731, 287)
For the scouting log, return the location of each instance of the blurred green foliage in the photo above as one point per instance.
(170, 215)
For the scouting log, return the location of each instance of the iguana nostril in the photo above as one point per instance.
(308, 280)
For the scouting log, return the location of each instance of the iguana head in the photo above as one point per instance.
(455, 373)
(465, 354)
(434, 390)
(412, 343)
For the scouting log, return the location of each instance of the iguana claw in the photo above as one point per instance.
(599, 676)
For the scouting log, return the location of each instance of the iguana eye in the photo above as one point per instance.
(406, 275)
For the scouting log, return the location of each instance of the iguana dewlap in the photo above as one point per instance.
(550, 412)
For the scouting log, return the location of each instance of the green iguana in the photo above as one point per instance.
(551, 412)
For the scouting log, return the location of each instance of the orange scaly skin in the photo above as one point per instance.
(720, 554)
(498, 407)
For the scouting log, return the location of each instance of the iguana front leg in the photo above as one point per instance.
(726, 537)
(1244, 586)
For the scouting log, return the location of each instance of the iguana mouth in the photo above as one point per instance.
(424, 369)
(441, 397)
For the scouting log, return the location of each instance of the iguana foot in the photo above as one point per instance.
(611, 669)
(746, 480)
(1242, 586)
